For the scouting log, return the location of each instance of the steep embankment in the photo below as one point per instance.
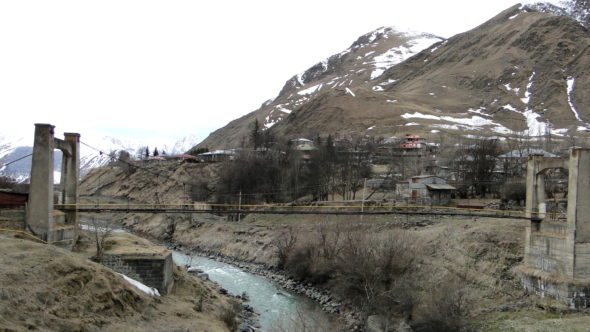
(159, 182)
(43, 287)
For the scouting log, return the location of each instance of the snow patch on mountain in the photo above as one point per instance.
(571, 82)
(527, 93)
(399, 54)
(310, 90)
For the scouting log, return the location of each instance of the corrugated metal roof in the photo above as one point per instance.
(524, 153)
(218, 152)
(440, 187)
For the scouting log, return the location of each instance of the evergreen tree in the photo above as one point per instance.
(147, 152)
(256, 134)
(156, 153)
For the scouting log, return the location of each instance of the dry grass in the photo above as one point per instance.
(47, 288)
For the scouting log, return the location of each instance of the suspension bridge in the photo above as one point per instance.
(42, 192)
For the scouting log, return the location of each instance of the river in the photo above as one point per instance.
(279, 310)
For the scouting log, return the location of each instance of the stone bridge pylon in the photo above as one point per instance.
(557, 251)
(42, 220)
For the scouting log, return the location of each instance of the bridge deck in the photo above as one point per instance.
(274, 209)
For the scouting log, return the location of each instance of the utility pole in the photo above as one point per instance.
(363, 201)
(239, 205)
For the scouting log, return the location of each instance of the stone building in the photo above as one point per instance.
(425, 190)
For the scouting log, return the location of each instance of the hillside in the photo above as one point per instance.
(50, 289)
(522, 72)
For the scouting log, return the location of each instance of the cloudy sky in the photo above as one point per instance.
(165, 69)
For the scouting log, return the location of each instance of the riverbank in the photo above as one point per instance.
(348, 317)
(466, 259)
(343, 316)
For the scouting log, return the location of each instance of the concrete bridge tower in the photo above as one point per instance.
(557, 252)
(42, 220)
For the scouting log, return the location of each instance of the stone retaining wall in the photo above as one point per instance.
(152, 270)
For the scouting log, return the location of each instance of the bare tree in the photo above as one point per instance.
(101, 229)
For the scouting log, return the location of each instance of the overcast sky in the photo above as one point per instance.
(149, 69)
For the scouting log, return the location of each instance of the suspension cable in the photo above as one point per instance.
(14, 161)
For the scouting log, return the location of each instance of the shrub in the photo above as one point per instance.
(229, 314)
(445, 310)
(373, 271)
(285, 244)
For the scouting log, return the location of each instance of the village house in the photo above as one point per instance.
(305, 147)
(11, 199)
(425, 190)
(184, 157)
(218, 155)
(514, 163)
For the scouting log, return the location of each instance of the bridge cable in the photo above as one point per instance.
(14, 161)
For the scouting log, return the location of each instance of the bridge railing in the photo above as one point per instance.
(322, 208)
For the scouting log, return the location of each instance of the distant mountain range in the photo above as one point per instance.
(524, 72)
(13, 148)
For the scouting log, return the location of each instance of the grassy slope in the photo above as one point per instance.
(47, 288)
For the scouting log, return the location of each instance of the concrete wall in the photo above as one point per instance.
(549, 252)
(574, 296)
(16, 214)
(152, 270)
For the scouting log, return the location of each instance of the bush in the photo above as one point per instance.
(285, 244)
(374, 273)
(445, 310)
(229, 314)
(514, 190)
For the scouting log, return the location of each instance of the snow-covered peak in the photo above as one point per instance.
(96, 149)
(185, 144)
(9, 143)
(576, 9)
(389, 32)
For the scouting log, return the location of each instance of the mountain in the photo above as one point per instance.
(365, 60)
(522, 72)
(14, 148)
(183, 145)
